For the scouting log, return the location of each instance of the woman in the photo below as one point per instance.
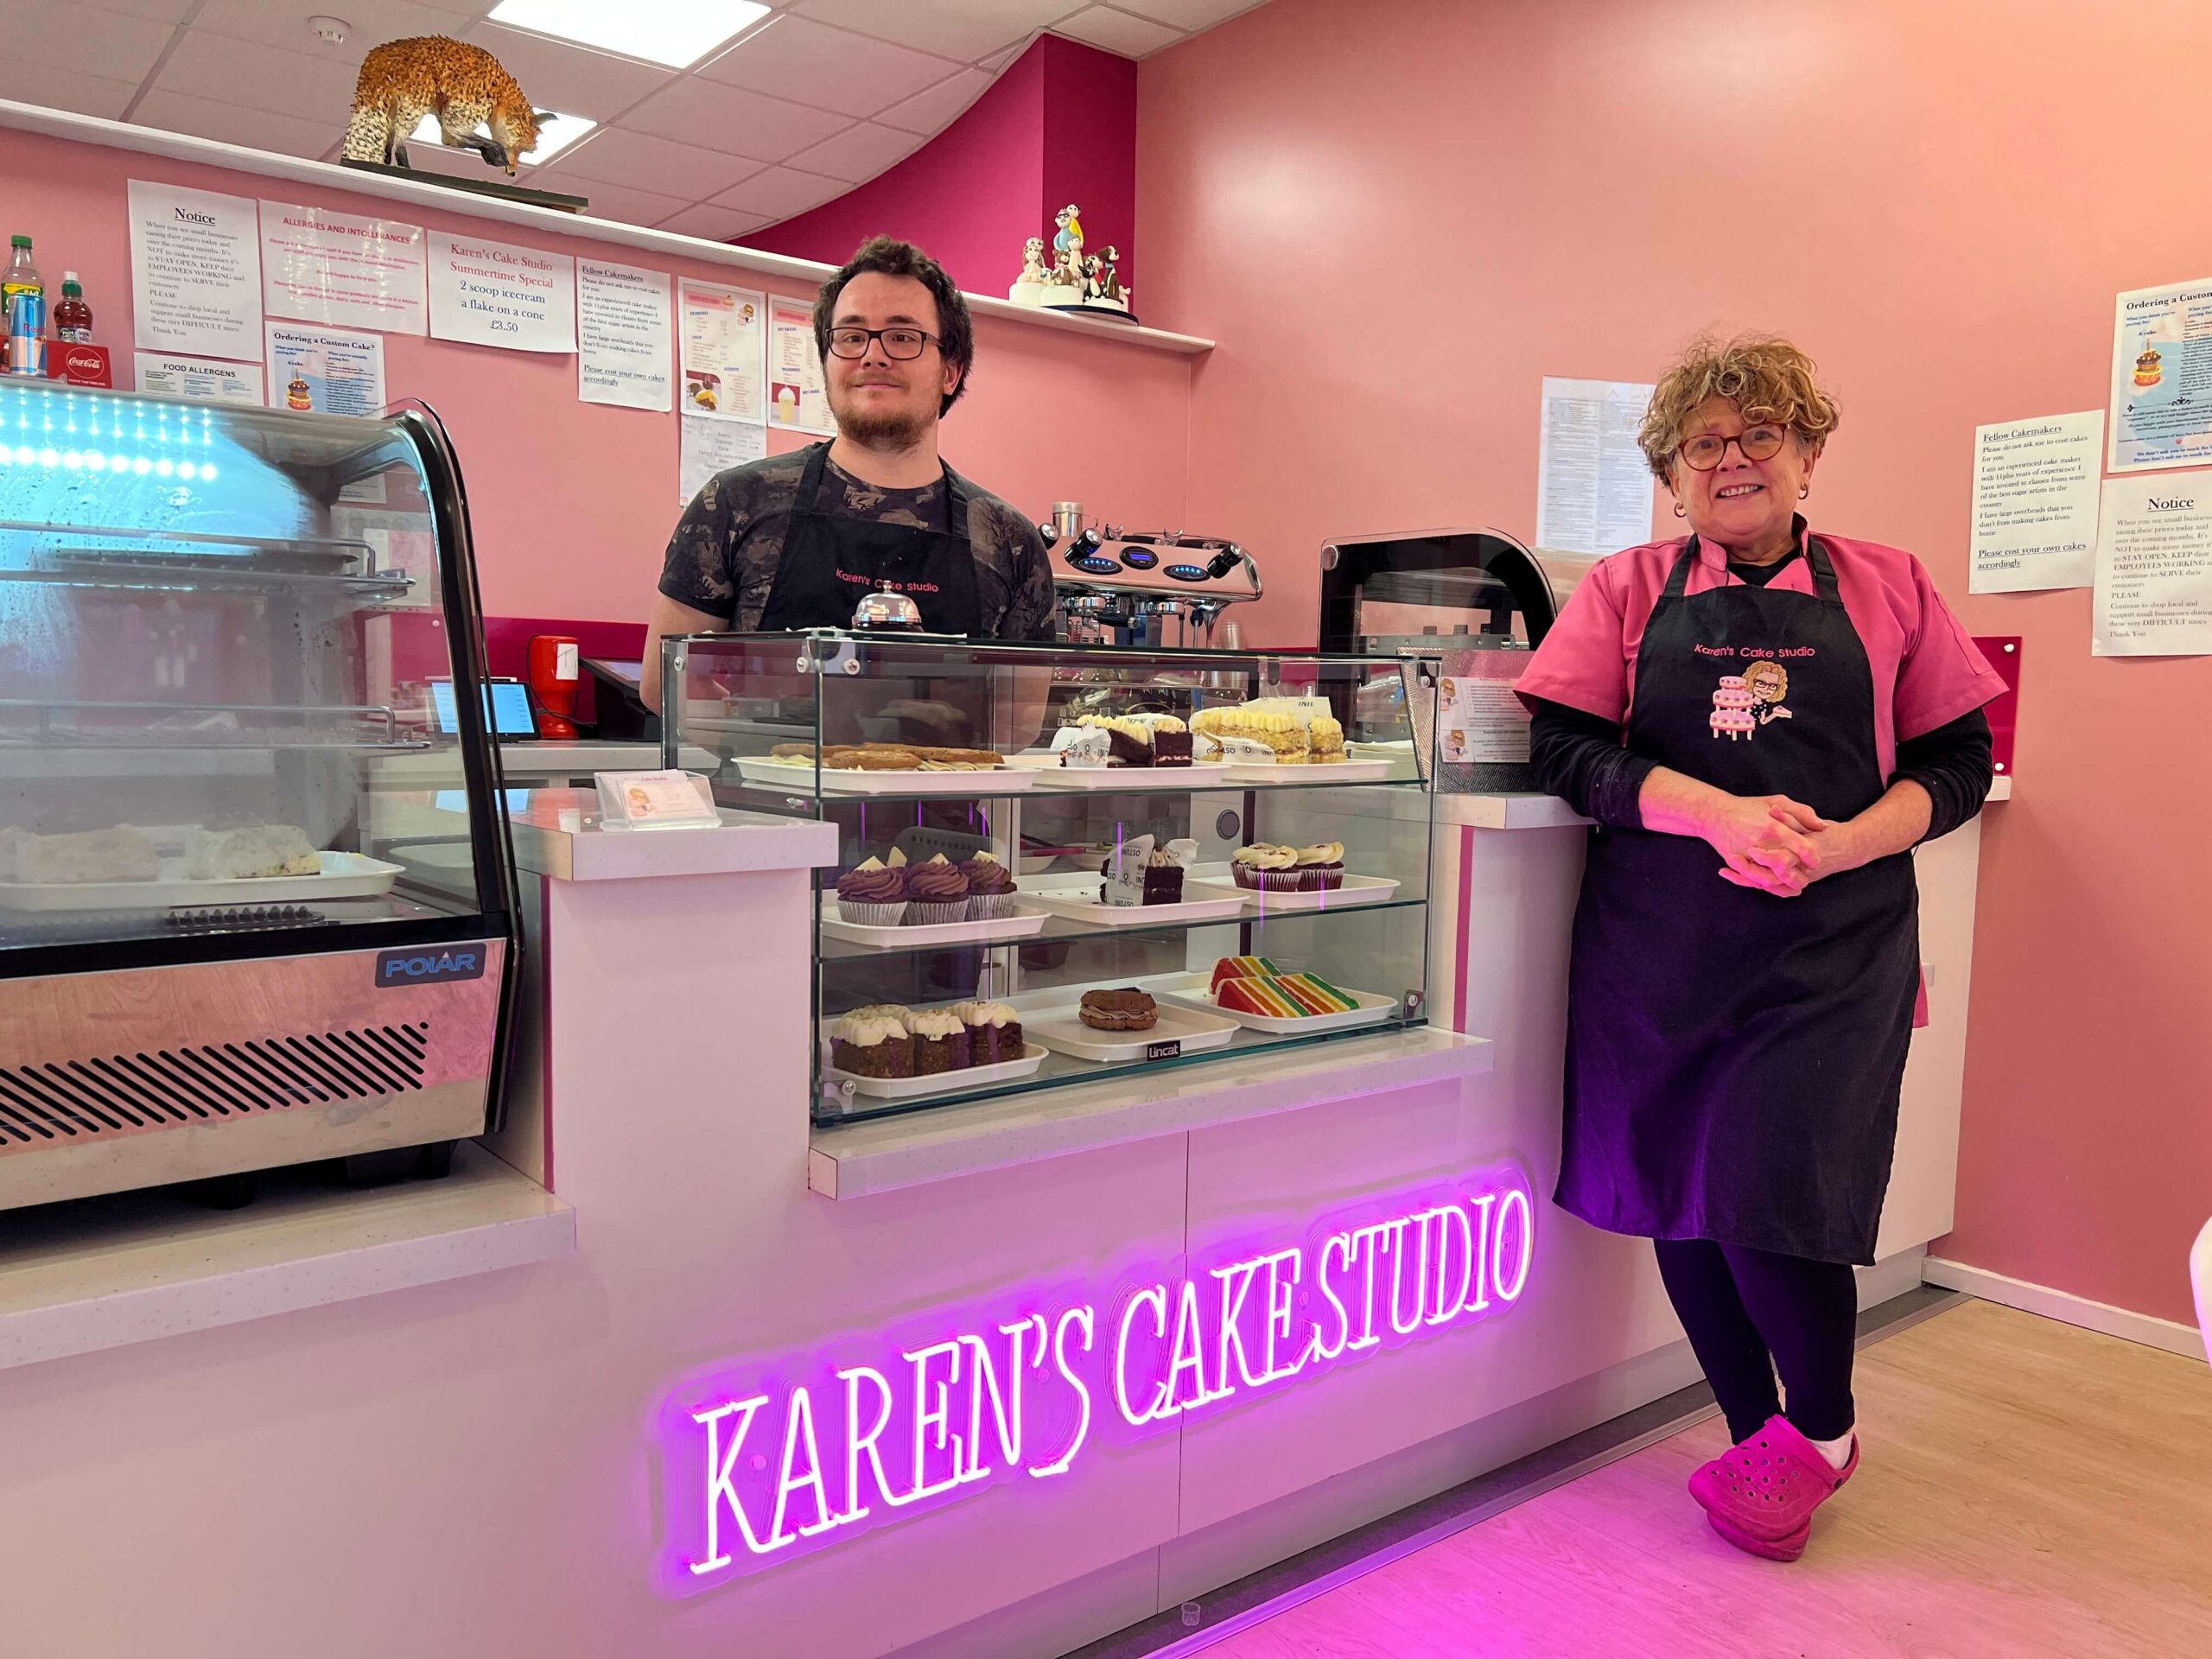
(1746, 953)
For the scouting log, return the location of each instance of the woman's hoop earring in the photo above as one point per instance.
(1803, 491)
(1679, 513)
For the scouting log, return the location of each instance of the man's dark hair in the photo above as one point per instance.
(888, 254)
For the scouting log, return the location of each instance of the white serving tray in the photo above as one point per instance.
(1357, 890)
(1196, 991)
(945, 1082)
(1131, 778)
(344, 875)
(1027, 920)
(1340, 772)
(1187, 1029)
(1077, 902)
(840, 780)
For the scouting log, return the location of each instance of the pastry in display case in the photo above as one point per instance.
(1060, 865)
(256, 907)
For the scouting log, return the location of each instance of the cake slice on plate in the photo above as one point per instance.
(250, 851)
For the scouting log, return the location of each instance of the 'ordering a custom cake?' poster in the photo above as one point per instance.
(328, 369)
(796, 400)
(2162, 377)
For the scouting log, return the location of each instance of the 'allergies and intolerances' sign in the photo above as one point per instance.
(761, 1461)
(491, 294)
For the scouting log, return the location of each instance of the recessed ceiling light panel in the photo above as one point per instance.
(677, 33)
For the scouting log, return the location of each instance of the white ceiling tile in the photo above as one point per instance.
(830, 68)
(574, 79)
(732, 119)
(233, 123)
(966, 29)
(780, 192)
(639, 161)
(715, 224)
(857, 153)
(932, 111)
(64, 89)
(284, 23)
(289, 83)
(162, 11)
(1117, 31)
(610, 201)
(999, 59)
(63, 34)
(1191, 14)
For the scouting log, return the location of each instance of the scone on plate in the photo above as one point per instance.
(122, 853)
(249, 851)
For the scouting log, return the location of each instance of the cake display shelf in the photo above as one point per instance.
(343, 875)
(26, 723)
(1065, 930)
(209, 575)
(1016, 780)
(319, 549)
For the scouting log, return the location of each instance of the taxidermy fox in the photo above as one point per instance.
(402, 81)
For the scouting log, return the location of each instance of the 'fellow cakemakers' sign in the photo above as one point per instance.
(764, 1460)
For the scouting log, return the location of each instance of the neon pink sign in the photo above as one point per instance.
(763, 1461)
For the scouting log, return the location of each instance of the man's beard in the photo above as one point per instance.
(885, 429)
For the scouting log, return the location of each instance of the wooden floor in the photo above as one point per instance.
(2027, 1488)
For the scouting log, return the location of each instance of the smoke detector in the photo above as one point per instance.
(331, 31)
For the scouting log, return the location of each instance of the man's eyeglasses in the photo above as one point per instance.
(1704, 452)
(899, 345)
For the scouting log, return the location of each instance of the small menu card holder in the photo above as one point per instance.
(655, 800)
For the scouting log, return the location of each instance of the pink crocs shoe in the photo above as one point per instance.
(1760, 1495)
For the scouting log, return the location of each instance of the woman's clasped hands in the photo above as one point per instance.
(1774, 844)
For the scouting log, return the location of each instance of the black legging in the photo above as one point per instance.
(1750, 1313)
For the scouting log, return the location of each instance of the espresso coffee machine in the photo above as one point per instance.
(1159, 589)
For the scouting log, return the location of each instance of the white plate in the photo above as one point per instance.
(1195, 991)
(344, 875)
(945, 1082)
(840, 780)
(1178, 1031)
(1079, 903)
(1131, 778)
(1026, 920)
(1357, 890)
(1338, 771)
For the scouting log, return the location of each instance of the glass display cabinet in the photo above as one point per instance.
(1059, 865)
(256, 906)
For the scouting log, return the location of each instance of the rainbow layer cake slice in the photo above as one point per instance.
(1283, 997)
(1242, 968)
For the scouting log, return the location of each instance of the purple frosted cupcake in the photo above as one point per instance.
(935, 892)
(872, 896)
(990, 888)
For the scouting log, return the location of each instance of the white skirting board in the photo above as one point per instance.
(2169, 1334)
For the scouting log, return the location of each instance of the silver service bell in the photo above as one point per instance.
(884, 609)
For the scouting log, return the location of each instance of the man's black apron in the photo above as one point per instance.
(1733, 1057)
(830, 563)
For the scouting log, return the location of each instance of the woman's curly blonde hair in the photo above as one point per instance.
(1763, 375)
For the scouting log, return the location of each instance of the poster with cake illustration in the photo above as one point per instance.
(2162, 377)
(329, 370)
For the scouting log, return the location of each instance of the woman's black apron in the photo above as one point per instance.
(830, 563)
(1734, 1056)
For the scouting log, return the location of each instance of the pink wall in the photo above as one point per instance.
(1058, 125)
(572, 502)
(1397, 218)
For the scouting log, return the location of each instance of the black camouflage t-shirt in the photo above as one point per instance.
(723, 556)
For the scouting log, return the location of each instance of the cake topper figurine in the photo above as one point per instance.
(1067, 244)
(1074, 281)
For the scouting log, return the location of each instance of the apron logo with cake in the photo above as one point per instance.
(1748, 701)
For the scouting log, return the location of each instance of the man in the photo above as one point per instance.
(795, 541)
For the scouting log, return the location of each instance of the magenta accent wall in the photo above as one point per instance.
(1397, 218)
(1058, 125)
(572, 502)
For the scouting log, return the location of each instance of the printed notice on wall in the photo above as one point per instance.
(2162, 377)
(203, 379)
(328, 369)
(353, 273)
(195, 271)
(2035, 503)
(623, 354)
(724, 329)
(490, 294)
(709, 446)
(796, 398)
(2154, 568)
(1593, 485)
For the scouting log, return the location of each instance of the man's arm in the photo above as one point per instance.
(668, 616)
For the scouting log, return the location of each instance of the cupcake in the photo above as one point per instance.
(872, 1043)
(940, 1041)
(872, 894)
(1265, 868)
(1320, 867)
(993, 1031)
(990, 888)
(935, 892)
